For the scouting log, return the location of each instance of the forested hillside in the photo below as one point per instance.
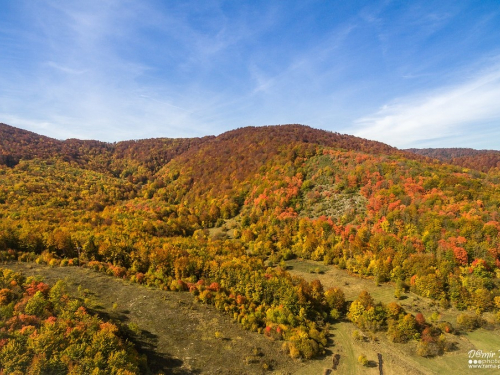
(483, 160)
(144, 210)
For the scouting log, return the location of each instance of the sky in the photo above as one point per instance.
(406, 73)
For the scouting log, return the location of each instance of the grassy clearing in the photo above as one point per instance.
(397, 358)
(178, 335)
(484, 337)
(226, 230)
(331, 276)
(182, 337)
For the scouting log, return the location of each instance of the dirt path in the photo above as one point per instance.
(397, 358)
(178, 335)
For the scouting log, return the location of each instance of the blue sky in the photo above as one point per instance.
(407, 73)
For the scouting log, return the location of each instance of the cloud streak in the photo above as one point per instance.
(81, 85)
(443, 115)
(134, 69)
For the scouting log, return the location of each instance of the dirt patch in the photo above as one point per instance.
(178, 335)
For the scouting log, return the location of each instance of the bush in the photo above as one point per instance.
(335, 314)
(469, 322)
(358, 336)
(36, 305)
(446, 327)
(363, 360)
(342, 264)
(5, 296)
(335, 299)
(403, 329)
(428, 349)
(27, 257)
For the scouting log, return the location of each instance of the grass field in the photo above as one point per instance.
(397, 358)
(183, 337)
(178, 335)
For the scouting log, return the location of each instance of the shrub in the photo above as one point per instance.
(403, 329)
(445, 327)
(358, 336)
(335, 314)
(420, 319)
(5, 296)
(363, 360)
(394, 310)
(335, 299)
(468, 322)
(428, 349)
(205, 296)
(355, 311)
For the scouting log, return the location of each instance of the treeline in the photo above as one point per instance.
(151, 154)
(482, 160)
(114, 158)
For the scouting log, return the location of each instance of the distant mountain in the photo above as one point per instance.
(17, 144)
(483, 160)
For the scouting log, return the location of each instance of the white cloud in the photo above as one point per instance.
(66, 69)
(449, 112)
(133, 69)
(82, 87)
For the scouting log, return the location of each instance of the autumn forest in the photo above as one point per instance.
(221, 217)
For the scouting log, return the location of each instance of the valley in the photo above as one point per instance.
(180, 336)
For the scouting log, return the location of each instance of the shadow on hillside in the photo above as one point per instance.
(146, 343)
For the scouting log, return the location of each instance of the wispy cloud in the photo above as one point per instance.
(66, 69)
(442, 114)
(306, 67)
(132, 69)
(83, 84)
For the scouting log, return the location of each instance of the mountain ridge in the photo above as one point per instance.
(154, 153)
(483, 160)
(15, 142)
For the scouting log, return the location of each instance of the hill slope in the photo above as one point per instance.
(150, 154)
(482, 160)
(142, 209)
